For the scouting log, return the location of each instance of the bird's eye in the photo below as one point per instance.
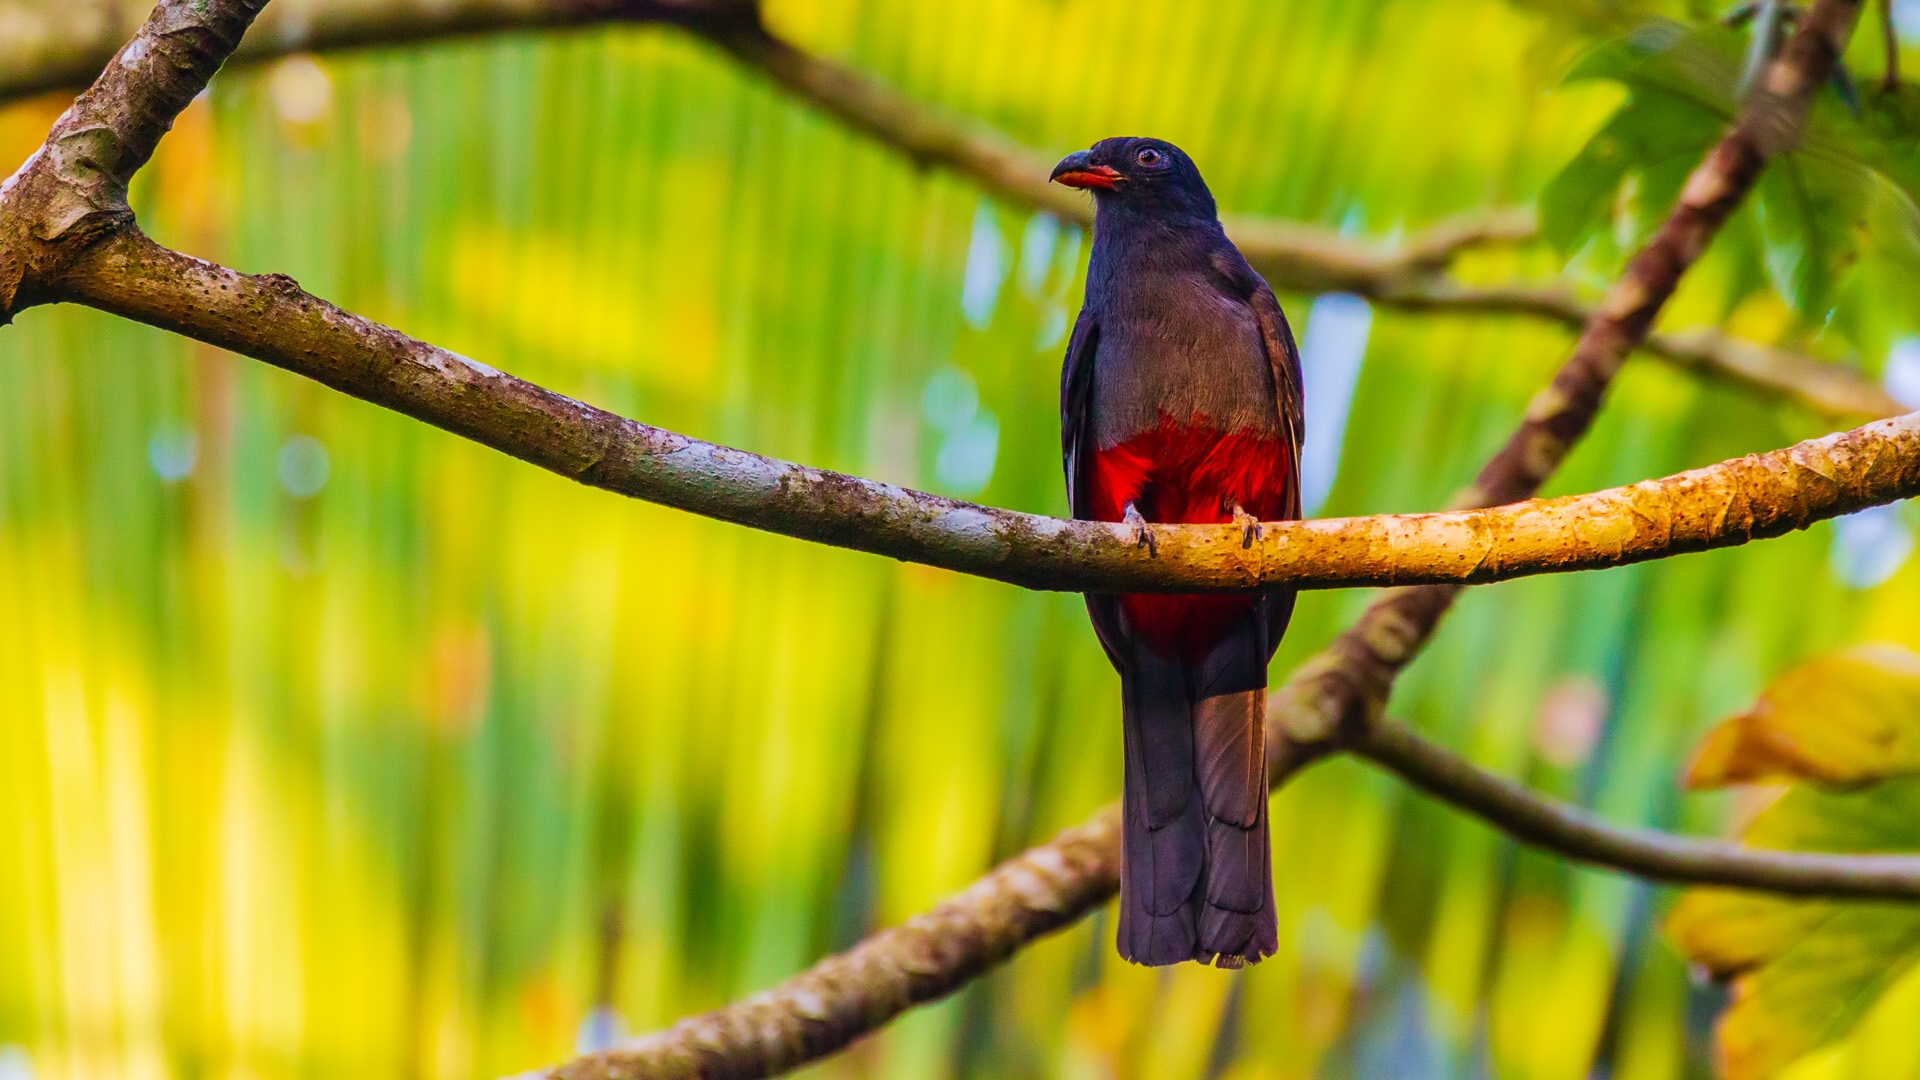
(1149, 157)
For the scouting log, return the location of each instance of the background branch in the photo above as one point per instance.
(1529, 816)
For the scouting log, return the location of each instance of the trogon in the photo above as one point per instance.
(1180, 401)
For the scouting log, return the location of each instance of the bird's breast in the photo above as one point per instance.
(1171, 345)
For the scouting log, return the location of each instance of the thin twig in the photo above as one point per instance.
(1649, 853)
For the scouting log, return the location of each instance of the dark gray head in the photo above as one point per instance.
(1146, 176)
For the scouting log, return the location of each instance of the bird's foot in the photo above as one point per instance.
(1249, 525)
(1142, 535)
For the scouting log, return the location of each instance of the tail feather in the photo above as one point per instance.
(1196, 880)
(1164, 853)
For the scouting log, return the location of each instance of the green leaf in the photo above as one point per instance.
(1657, 135)
(1680, 84)
(1845, 718)
(1811, 211)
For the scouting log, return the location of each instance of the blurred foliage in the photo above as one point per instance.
(1809, 974)
(331, 745)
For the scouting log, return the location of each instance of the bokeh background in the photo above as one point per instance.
(334, 746)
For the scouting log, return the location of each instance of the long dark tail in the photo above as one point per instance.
(1196, 873)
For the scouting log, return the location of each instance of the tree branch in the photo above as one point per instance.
(1830, 389)
(1677, 860)
(271, 319)
(57, 49)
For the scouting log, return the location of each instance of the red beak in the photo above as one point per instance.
(1076, 171)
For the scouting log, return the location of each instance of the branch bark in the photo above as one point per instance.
(51, 46)
(1532, 818)
(271, 319)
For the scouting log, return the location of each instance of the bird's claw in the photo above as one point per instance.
(1249, 526)
(1142, 535)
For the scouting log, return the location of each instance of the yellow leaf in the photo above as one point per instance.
(1845, 718)
(1730, 932)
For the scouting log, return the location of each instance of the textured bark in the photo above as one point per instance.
(73, 190)
(271, 319)
(1346, 687)
(45, 46)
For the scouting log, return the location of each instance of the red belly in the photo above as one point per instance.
(1190, 473)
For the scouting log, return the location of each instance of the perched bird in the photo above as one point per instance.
(1180, 401)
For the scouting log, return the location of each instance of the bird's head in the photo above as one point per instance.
(1148, 175)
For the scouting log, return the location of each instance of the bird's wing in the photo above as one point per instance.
(1283, 357)
(1076, 447)
(1076, 408)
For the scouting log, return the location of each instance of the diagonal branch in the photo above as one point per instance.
(57, 49)
(1048, 887)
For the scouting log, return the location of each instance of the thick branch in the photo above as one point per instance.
(271, 319)
(52, 47)
(1680, 860)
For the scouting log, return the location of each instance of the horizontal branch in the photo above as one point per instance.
(272, 319)
(1535, 819)
(53, 49)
